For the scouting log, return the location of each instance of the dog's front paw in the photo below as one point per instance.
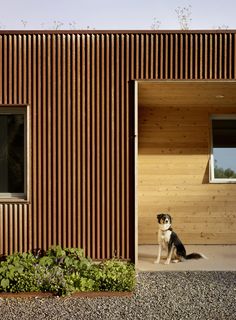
(157, 261)
(167, 262)
(175, 261)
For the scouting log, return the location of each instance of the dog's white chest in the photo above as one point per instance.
(164, 236)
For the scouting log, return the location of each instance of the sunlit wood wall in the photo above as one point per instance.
(79, 86)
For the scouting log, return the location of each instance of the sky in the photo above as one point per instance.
(225, 158)
(119, 14)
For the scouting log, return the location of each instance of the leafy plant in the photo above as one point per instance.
(63, 271)
(17, 273)
(116, 275)
(54, 280)
(184, 16)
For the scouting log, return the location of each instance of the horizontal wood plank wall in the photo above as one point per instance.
(173, 168)
(79, 88)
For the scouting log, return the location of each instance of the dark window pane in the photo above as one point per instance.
(12, 153)
(224, 133)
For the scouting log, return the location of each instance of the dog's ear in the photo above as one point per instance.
(159, 216)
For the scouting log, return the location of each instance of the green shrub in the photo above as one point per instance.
(64, 271)
(17, 273)
(116, 275)
(53, 279)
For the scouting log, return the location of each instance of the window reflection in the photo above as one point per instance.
(224, 148)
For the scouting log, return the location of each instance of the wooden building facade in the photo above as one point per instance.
(73, 98)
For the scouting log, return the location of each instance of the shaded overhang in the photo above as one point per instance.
(187, 93)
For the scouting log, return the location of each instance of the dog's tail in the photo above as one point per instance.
(195, 256)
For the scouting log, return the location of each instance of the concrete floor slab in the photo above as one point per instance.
(220, 258)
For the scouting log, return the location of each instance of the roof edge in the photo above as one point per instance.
(169, 31)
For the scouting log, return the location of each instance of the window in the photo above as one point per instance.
(13, 152)
(223, 154)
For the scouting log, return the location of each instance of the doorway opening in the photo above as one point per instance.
(173, 152)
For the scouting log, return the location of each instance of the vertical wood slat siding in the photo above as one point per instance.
(80, 94)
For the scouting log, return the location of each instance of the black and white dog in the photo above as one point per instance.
(168, 240)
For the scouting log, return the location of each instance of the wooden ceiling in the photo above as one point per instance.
(186, 93)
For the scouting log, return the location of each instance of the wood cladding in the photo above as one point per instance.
(79, 86)
(173, 166)
(81, 182)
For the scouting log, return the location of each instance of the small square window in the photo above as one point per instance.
(13, 152)
(223, 151)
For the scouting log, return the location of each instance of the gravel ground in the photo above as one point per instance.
(158, 295)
